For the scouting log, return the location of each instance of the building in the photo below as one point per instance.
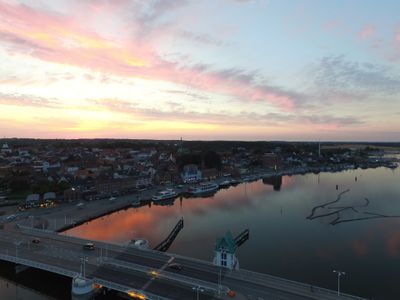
(210, 174)
(71, 195)
(33, 199)
(191, 173)
(121, 185)
(5, 148)
(50, 196)
(225, 249)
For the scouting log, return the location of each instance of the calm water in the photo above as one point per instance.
(283, 241)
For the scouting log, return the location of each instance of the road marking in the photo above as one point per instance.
(158, 272)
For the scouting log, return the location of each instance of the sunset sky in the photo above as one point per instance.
(218, 69)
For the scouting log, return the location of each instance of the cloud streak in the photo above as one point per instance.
(28, 100)
(57, 38)
(337, 75)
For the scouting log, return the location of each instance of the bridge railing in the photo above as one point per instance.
(38, 265)
(126, 289)
(286, 283)
(211, 287)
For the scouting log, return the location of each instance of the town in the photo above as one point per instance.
(39, 173)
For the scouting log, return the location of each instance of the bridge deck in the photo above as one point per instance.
(124, 269)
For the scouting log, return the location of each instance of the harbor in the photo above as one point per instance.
(121, 219)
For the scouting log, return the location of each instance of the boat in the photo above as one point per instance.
(164, 195)
(203, 188)
(136, 203)
(235, 181)
(225, 183)
(167, 202)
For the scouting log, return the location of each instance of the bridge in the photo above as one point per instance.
(146, 274)
(242, 237)
(165, 244)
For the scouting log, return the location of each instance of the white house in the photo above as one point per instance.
(5, 148)
(191, 173)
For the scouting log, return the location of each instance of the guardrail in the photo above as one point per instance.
(244, 275)
(38, 265)
(266, 279)
(126, 289)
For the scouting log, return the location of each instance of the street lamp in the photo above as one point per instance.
(83, 260)
(17, 243)
(198, 289)
(339, 273)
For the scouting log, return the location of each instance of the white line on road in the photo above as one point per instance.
(156, 273)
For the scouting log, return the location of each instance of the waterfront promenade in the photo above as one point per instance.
(67, 215)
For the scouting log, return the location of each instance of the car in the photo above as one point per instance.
(36, 241)
(88, 246)
(177, 267)
(11, 217)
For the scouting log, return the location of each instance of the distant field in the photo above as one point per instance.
(361, 146)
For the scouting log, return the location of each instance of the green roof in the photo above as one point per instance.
(226, 242)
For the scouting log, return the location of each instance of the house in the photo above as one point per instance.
(225, 249)
(5, 148)
(32, 199)
(191, 173)
(50, 196)
(143, 181)
(71, 194)
(210, 174)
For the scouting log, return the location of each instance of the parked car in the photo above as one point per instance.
(36, 241)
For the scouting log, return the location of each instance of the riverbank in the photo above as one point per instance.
(68, 215)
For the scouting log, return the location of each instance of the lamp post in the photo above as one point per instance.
(17, 243)
(198, 289)
(339, 273)
(83, 267)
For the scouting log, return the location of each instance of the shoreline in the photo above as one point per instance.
(67, 216)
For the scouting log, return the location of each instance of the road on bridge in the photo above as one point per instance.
(149, 271)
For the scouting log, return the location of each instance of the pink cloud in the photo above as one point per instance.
(59, 38)
(367, 32)
(397, 36)
(331, 25)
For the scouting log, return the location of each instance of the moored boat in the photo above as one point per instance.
(164, 195)
(203, 188)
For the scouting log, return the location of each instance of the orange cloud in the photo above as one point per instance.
(59, 38)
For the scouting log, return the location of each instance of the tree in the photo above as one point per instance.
(212, 160)
(187, 159)
(19, 184)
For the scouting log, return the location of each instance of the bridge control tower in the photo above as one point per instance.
(225, 249)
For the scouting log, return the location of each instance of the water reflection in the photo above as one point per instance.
(283, 241)
(275, 181)
(32, 284)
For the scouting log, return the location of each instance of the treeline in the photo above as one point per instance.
(208, 159)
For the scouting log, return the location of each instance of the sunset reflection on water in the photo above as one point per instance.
(283, 241)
